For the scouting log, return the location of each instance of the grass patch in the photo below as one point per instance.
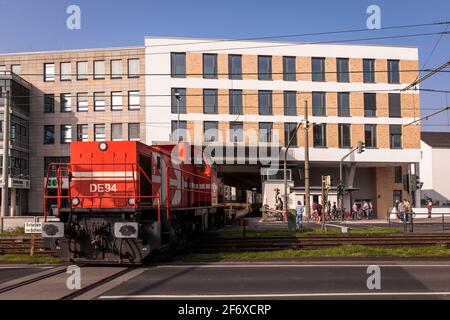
(20, 231)
(303, 232)
(374, 230)
(274, 233)
(26, 259)
(343, 251)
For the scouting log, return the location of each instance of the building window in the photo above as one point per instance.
(82, 102)
(66, 102)
(82, 70)
(116, 69)
(289, 69)
(394, 105)
(49, 72)
(370, 105)
(116, 101)
(395, 134)
(174, 104)
(343, 104)
(133, 68)
(264, 67)
(55, 160)
(393, 71)
(49, 103)
(99, 132)
(289, 131)
(396, 196)
(368, 70)
(82, 132)
(66, 71)
(16, 68)
(99, 69)
(342, 70)
(116, 132)
(370, 135)
(320, 135)
(210, 101)
(344, 135)
(178, 65)
(66, 133)
(179, 131)
(318, 104)
(2, 69)
(134, 100)
(235, 66)
(134, 132)
(290, 103)
(49, 134)
(265, 132)
(318, 69)
(235, 97)
(398, 178)
(209, 66)
(99, 101)
(236, 131)
(210, 131)
(265, 102)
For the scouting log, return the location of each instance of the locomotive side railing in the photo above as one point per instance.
(65, 171)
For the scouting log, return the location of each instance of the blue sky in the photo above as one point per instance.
(41, 25)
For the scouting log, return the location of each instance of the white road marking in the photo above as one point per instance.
(24, 267)
(303, 265)
(275, 295)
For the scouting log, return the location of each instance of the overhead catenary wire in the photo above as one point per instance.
(185, 75)
(222, 49)
(272, 92)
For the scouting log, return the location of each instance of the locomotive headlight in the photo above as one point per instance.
(131, 201)
(103, 146)
(75, 201)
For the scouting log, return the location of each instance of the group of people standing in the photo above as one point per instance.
(332, 210)
(404, 209)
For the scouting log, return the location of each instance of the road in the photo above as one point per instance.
(319, 279)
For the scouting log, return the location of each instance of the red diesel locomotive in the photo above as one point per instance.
(120, 201)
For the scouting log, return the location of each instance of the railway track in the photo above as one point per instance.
(22, 245)
(54, 280)
(212, 245)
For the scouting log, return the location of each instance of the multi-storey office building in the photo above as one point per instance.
(253, 93)
(74, 95)
(19, 149)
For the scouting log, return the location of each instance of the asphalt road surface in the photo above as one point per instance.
(300, 279)
(287, 280)
(8, 273)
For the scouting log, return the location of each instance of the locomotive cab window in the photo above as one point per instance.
(145, 163)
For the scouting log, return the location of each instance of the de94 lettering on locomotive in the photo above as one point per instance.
(118, 202)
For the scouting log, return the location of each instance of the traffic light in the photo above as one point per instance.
(340, 189)
(415, 183)
(361, 147)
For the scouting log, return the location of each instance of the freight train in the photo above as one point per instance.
(120, 201)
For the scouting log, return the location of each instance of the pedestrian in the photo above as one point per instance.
(334, 212)
(371, 216)
(299, 215)
(429, 207)
(407, 208)
(319, 211)
(354, 210)
(365, 208)
(401, 210)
